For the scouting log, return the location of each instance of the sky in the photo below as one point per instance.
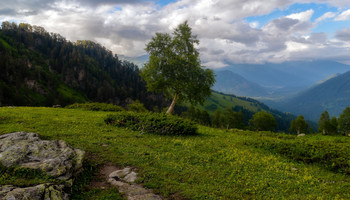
(229, 31)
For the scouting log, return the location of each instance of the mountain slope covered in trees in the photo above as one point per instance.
(332, 95)
(42, 69)
(248, 107)
(38, 68)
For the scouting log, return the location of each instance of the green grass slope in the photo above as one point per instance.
(221, 101)
(248, 106)
(216, 164)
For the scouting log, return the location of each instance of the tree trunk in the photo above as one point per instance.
(171, 107)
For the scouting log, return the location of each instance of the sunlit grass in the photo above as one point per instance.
(217, 164)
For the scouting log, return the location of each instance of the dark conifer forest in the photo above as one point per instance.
(38, 68)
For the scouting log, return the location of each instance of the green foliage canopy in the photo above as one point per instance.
(233, 119)
(299, 125)
(263, 121)
(327, 126)
(137, 106)
(323, 123)
(174, 67)
(344, 121)
(333, 125)
(218, 119)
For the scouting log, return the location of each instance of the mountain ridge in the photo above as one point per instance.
(232, 83)
(332, 95)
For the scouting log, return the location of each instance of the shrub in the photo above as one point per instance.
(96, 107)
(157, 123)
(263, 121)
(137, 106)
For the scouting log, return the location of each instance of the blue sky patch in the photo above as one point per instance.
(164, 2)
(319, 10)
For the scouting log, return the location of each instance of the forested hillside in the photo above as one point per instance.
(38, 68)
(248, 107)
(332, 95)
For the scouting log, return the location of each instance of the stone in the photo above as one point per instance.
(55, 158)
(125, 174)
(124, 180)
(39, 192)
(301, 135)
(120, 174)
(131, 177)
(114, 182)
(134, 190)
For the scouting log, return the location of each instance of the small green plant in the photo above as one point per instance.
(137, 106)
(96, 107)
(157, 123)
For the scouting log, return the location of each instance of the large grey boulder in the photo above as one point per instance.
(54, 157)
(39, 192)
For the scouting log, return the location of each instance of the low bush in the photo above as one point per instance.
(136, 106)
(157, 123)
(96, 107)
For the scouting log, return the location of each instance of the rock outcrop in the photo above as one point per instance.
(124, 179)
(39, 192)
(55, 158)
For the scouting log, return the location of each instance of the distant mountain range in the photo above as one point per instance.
(278, 81)
(232, 83)
(332, 95)
(306, 88)
(288, 74)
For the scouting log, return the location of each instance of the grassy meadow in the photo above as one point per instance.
(222, 101)
(216, 164)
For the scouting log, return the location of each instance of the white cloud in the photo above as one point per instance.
(343, 16)
(254, 24)
(302, 16)
(325, 16)
(125, 26)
